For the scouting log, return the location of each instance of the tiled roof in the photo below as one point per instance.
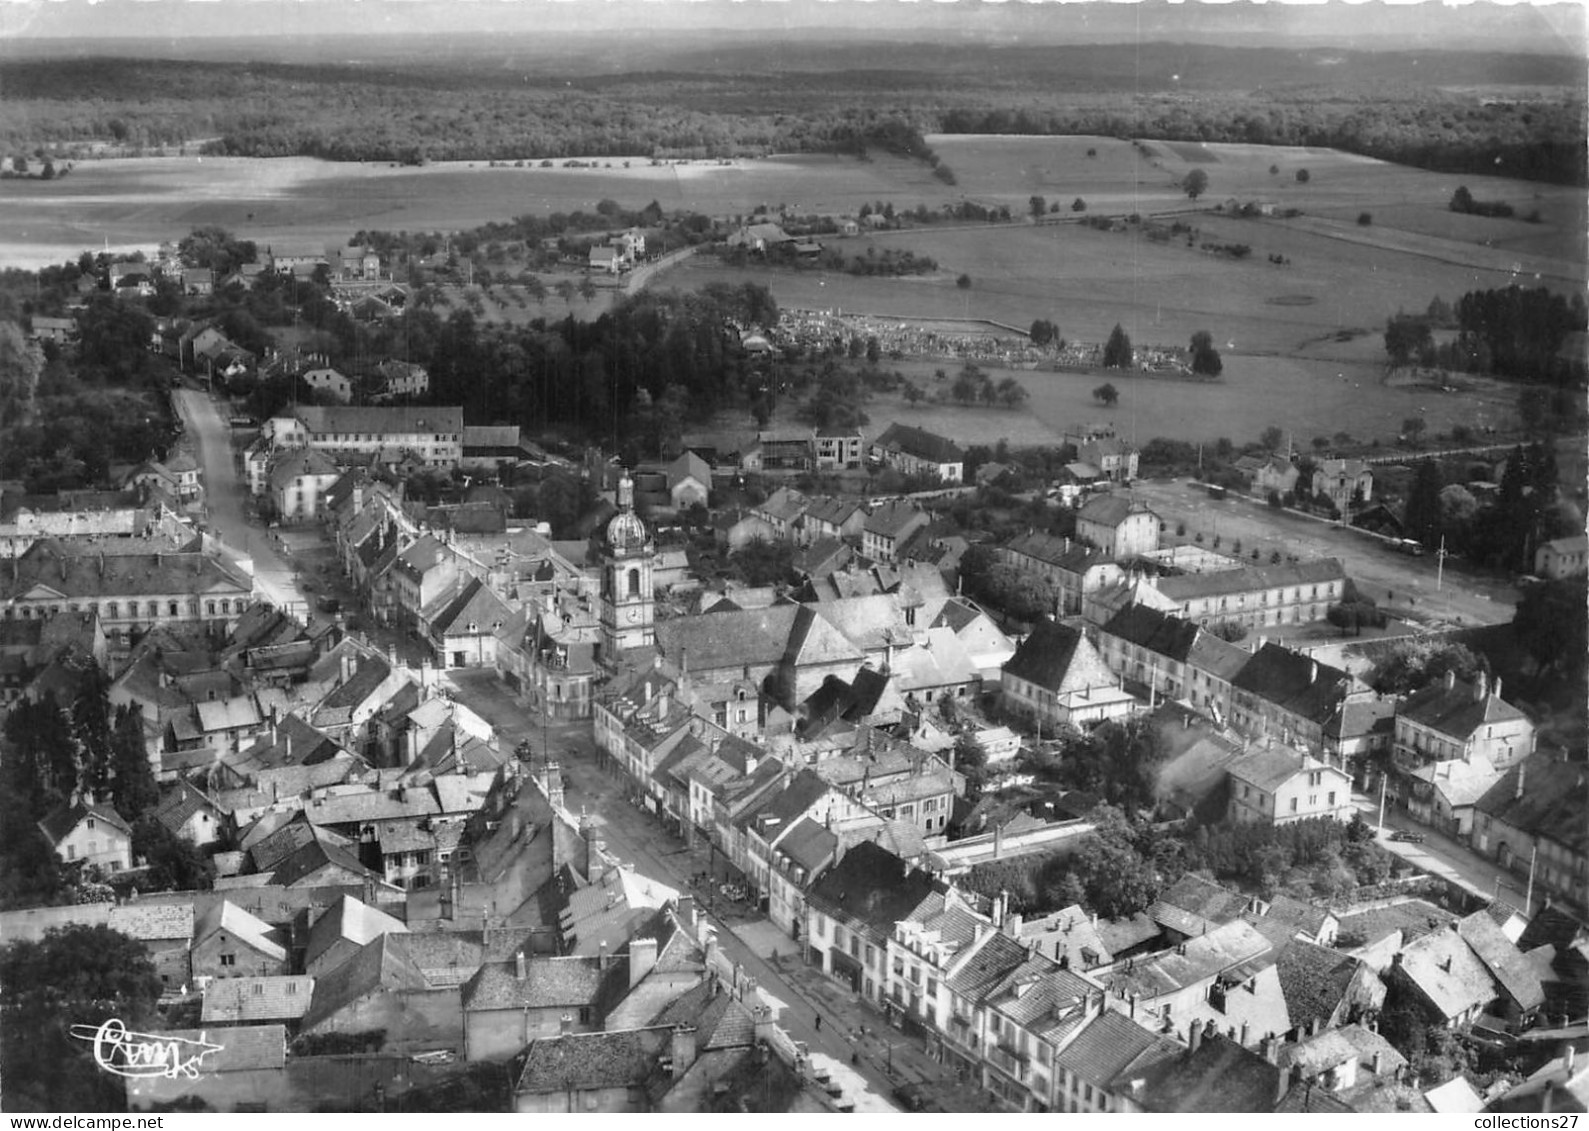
(53, 565)
(153, 922)
(1359, 717)
(401, 420)
(1103, 1050)
(278, 997)
(1500, 956)
(577, 1062)
(549, 983)
(1459, 710)
(1110, 510)
(743, 637)
(995, 959)
(893, 518)
(475, 604)
(1251, 579)
(297, 462)
(1449, 973)
(349, 919)
(312, 859)
(809, 845)
(871, 885)
(1064, 553)
(1460, 782)
(60, 823)
(384, 965)
(1192, 902)
(1168, 636)
(1222, 950)
(1413, 917)
(1044, 657)
(1314, 980)
(1295, 682)
(1218, 1076)
(920, 443)
(227, 916)
(1543, 797)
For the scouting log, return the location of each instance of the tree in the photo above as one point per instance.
(1205, 358)
(1043, 332)
(1195, 183)
(1552, 624)
(1038, 207)
(1078, 205)
(963, 282)
(587, 289)
(1011, 393)
(1415, 664)
(1462, 200)
(1107, 394)
(1303, 176)
(1407, 336)
(971, 760)
(1117, 353)
(1272, 438)
(1412, 428)
(1422, 519)
(75, 976)
(20, 165)
(174, 864)
(1365, 219)
(1232, 630)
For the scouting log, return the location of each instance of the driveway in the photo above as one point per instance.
(225, 498)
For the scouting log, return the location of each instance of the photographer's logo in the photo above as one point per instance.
(144, 1055)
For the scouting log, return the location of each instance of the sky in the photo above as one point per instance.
(1549, 27)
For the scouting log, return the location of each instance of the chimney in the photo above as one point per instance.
(1481, 687)
(1315, 1026)
(1012, 924)
(1244, 1034)
(346, 667)
(683, 1050)
(764, 1026)
(604, 959)
(1451, 680)
(686, 913)
(1522, 773)
(1495, 688)
(520, 972)
(1378, 1063)
(1313, 672)
(1194, 1037)
(1271, 1049)
(642, 957)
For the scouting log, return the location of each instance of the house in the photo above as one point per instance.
(228, 942)
(789, 450)
(1073, 569)
(1100, 448)
(889, 527)
(1457, 720)
(1279, 786)
(342, 931)
(915, 451)
(1104, 1065)
(1172, 657)
(1563, 557)
(1119, 525)
(191, 815)
(607, 260)
(1193, 906)
(329, 382)
(781, 511)
(1268, 473)
(1057, 676)
(831, 520)
(1345, 482)
(1443, 794)
(382, 988)
(297, 481)
(850, 915)
(1325, 988)
(1535, 822)
(93, 834)
(689, 481)
(840, 448)
(275, 999)
(507, 1005)
(402, 379)
(462, 627)
(1289, 696)
(1443, 975)
(1342, 1062)
(46, 329)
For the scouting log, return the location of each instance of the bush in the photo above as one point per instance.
(1364, 219)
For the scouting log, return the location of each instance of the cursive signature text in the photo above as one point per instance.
(138, 1055)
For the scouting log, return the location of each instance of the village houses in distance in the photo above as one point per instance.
(648, 837)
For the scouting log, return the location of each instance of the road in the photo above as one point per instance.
(1404, 586)
(225, 500)
(869, 1066)
(1442, 856)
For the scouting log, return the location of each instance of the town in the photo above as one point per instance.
(1081, 607)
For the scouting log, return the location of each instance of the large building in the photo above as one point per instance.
(913, 451)
(1253, 596)
(433, 433)
(1120, 526)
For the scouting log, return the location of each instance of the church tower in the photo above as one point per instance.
(627, 602)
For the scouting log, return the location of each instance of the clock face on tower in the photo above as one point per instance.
(634, 615)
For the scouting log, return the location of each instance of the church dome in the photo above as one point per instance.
(626, 532)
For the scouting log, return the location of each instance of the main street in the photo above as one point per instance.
(877, 1061)
(224, 499)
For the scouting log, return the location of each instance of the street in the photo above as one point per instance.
(224, 498)
(869, 1065)
(1439, 855)
(1404, 586)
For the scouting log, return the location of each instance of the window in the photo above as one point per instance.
(228, 960)
(1332, 797)
(259, 989)
(1293, 804)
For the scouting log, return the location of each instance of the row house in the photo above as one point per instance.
(433, 433)
(839, 519)
(462, 626)
(1256, 596)
(781, 511)
(1534, 822)
(1072, 569)
(550, 662)
(850, 915)
(889, 527)
(895, 780)
(1459, 721)
(1057, 677)
(1172, 658)
(129, 592)
(1290, 696)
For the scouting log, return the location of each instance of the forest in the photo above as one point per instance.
(426, 111)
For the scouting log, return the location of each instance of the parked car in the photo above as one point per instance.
(1407, 836)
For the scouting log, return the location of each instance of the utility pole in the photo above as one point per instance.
(1533, 858)
(1440, 566)
(1384, 784)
